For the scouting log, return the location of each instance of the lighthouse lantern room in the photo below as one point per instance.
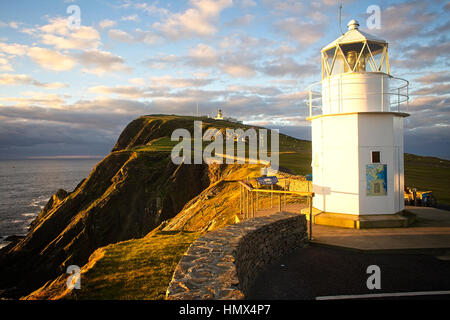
(356, 113)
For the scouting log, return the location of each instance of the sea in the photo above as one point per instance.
(27, 185)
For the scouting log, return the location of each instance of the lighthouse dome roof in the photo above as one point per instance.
(353, 35)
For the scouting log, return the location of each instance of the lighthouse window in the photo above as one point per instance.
(376, 157)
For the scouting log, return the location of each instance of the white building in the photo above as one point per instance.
(357, 129)
(221, 117)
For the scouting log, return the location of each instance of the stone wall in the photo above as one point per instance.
(224, 263)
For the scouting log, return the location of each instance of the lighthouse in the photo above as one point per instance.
(357, 112)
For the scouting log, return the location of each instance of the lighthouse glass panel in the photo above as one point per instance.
(369, 62)
(352, 55)
(339, 63)
(378, 51)
(328, 59)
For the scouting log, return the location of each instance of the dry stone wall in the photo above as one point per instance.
(224, 263)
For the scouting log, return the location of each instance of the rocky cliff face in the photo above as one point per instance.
(126, 195)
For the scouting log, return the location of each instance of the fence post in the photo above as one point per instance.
(279, 203)
(248, 203)
(310, 217)
(271, 196)
(382, 94)
(240, 199)
(253, 204)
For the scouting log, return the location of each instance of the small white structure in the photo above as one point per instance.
(357, 128)
(219, 115)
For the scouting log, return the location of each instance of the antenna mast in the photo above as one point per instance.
(340, 26)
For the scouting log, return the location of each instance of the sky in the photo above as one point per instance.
(73, 74)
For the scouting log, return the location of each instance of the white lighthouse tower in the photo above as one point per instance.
(357, 134)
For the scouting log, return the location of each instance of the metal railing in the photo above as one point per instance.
(249, 200)
(397, 95)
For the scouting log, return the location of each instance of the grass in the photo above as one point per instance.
(138, 269)
(428, 173)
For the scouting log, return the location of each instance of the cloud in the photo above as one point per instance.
(423, 55)
(58, 35)
(51, 60)
(259, 90)
(305, 33)
(439, 89)
(151, 9)
(122, 91)
(133, 17)
(246, 3)
(14, 79)
(13, 49)
(120, 35)
(46, 58)
(404, 20)
(137, 81)
(32, 98)
(199, 20)
(239, 70)
(139, 36)
(163, 61)
(291, 6)
(99, 62)
(203, 55)
(434, 77)
(287, 66)
(4, 64)
(241, 21)
(106, 23)
(23, 79)
(168, 81)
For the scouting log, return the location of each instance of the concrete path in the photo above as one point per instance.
(430, 231)
(414, 263)
(333, 273)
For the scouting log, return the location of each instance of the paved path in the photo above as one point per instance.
(411, 260)
(314, 272)
(430, 231)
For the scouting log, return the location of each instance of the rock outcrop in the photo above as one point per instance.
(126, 195)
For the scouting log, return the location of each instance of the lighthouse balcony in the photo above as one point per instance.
(357, 92)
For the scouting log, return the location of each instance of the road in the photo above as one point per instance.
(316, 272)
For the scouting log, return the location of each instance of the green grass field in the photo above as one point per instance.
(428, 173)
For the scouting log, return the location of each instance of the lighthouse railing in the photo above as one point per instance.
(392, 92)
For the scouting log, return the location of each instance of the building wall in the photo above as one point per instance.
(355, 92)
(335, 163)
(341, 148)
(384, 133)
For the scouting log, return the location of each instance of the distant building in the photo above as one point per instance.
(221, 117)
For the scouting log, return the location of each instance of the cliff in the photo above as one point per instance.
(127, 195)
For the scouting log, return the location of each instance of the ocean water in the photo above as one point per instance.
(27, 185)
